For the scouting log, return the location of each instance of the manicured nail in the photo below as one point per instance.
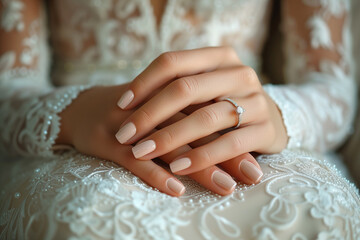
(175, 186)
(180, 164)
(144, 148)
(126, 132)
(223, 180)
(126, 99)
(250, 170)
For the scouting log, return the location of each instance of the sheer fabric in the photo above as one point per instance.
(69, 195)
(351, 151)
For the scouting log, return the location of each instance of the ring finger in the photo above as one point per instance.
(213, 178)
(225, 147)
(184, 92)
(240, 167)
(201, 123)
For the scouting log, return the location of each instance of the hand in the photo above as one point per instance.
(193, 77)
(90, 122)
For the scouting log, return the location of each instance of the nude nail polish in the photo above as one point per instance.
(250, 170)
(175, 186)
(126, 99)
(180, 164)
(223, 180)
(144, 148)
(126, 132)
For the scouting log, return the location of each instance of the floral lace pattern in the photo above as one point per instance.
(73, 196)
(141, 40)
(11, 16)
(328, 92)
(97, 199)
(32, 124)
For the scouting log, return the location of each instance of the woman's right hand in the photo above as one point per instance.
(90, 122)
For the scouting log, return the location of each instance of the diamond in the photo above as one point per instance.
(239, 110)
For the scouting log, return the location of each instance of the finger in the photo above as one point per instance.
(240, 168)
(236, 167)
(244, 167)
(212, 178)
(148, 171)
(179, 116)
(225, 147)
(201, 123)
(172, 65)
(192, 108)
(183, 92)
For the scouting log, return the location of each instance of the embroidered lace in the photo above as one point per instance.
(69, 195)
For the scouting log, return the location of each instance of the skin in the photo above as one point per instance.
(91, 121)
(202, 77)
(192, 77)
(192, 83)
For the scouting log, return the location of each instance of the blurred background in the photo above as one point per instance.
(350, 150)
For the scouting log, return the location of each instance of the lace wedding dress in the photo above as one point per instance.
(47, 195)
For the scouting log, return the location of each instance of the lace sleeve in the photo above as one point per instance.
(29, 123)
(318, 102)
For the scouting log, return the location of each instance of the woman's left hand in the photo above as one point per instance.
(194, 77)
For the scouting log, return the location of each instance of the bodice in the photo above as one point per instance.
(111, 41)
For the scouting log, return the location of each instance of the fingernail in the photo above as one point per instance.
(126, 132)
(143, 148)
(175, 186)
(180, 164)
(223, 180)
(250, 170)
(126, 99)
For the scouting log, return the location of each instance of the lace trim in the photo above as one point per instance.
(289, 115)
(57, 104)
(40, 122)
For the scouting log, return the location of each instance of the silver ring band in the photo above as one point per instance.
(239, 110)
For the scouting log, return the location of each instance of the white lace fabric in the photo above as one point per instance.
(73, 196)
(29, 124)
(318, 105)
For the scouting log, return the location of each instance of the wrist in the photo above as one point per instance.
(65, 127)
(68, 119)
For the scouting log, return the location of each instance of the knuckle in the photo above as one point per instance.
(236, 143)
(154, 175)
(271, 129)
(239, 75)
(270, 138)
(168, 59)
(165, 138)
(138, 84)
(230, 53)
(186, 86)
(249, 76)
(260, 103)
(208, 117)
(144, 116)
(205, 158)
